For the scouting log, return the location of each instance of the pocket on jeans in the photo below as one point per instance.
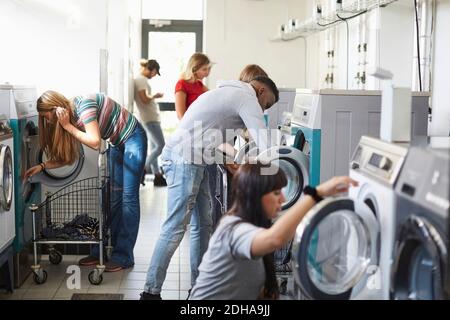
(168, 169)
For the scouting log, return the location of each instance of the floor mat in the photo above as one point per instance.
(97, 296)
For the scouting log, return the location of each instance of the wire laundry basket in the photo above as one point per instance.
(76, 214)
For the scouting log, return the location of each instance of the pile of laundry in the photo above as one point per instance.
(81, 228)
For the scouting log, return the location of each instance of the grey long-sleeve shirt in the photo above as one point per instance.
(215, 118)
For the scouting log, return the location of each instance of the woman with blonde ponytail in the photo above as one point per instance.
(64, 124)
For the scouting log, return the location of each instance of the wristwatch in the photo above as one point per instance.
(311, 191)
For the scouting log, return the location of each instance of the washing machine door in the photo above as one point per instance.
(333, 248)
(420, 262)
(295, 165)
(6, 177)
(62, 176)
(29, 147)
(248, 150)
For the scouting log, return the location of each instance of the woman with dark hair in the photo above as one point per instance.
(232, 268)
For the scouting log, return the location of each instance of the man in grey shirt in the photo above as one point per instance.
(210, 121)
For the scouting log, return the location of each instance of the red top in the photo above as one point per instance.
(192, 90)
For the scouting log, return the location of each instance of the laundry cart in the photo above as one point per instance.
(76, 214)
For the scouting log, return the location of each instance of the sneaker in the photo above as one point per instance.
(159, 181)
(88, 261)
(149, 296)
(113, 267)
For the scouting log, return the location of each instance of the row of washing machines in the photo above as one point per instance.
(388, 238)
(20, 150)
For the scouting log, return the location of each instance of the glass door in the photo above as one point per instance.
(171, 43)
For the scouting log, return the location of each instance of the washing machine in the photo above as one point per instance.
(328, 124)
(343, 246)
(7, 216)
(421, 258)
(21, 101)
(293, 163)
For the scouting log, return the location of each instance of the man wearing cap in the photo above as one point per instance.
(149, 117)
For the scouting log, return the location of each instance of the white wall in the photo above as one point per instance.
(440, 124)
(52, 44)
(237, 33)
(124, 47)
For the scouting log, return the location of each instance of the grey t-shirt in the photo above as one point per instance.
(148, 112)
(228, 271)
(213, 119)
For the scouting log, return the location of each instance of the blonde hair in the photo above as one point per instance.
(250, 72)
(195, 63)
(58, 144)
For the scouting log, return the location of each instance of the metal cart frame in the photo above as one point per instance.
(91, 195)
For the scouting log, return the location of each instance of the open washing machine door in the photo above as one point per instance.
(59, 177)
(295, 166)
(6, 177)
(420, 263)
(334, 249)
(29, 151)
(246, 152)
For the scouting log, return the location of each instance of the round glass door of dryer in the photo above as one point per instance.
(6, 177)
(294, 164)
(420, 262)
(333, 249)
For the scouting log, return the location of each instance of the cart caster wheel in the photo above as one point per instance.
(40, 276)
(55, 257)
(95, 277)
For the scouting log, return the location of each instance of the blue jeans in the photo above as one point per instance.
(156, 139)
(188, 200)
(126, 166)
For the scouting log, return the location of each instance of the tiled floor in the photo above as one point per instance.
(128, 282)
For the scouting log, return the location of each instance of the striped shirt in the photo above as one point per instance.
(114, 121)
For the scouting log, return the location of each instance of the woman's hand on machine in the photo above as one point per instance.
(32, 171)
(335, 185)
(63, 116)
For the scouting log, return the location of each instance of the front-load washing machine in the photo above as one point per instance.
(343, 246)
(421, 259)
(21, 101)
(289, 159)
(328, 125)
(7, 216)
(294, 164)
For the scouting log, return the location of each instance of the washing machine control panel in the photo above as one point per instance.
(378, 159)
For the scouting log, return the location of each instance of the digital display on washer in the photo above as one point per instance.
(375, 160)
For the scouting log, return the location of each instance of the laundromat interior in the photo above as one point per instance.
(138, 140)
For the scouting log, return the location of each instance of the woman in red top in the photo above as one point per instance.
(190, 86)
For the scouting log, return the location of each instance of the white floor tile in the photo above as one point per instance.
(132, 284)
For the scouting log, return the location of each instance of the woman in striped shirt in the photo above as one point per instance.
(63, 124)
